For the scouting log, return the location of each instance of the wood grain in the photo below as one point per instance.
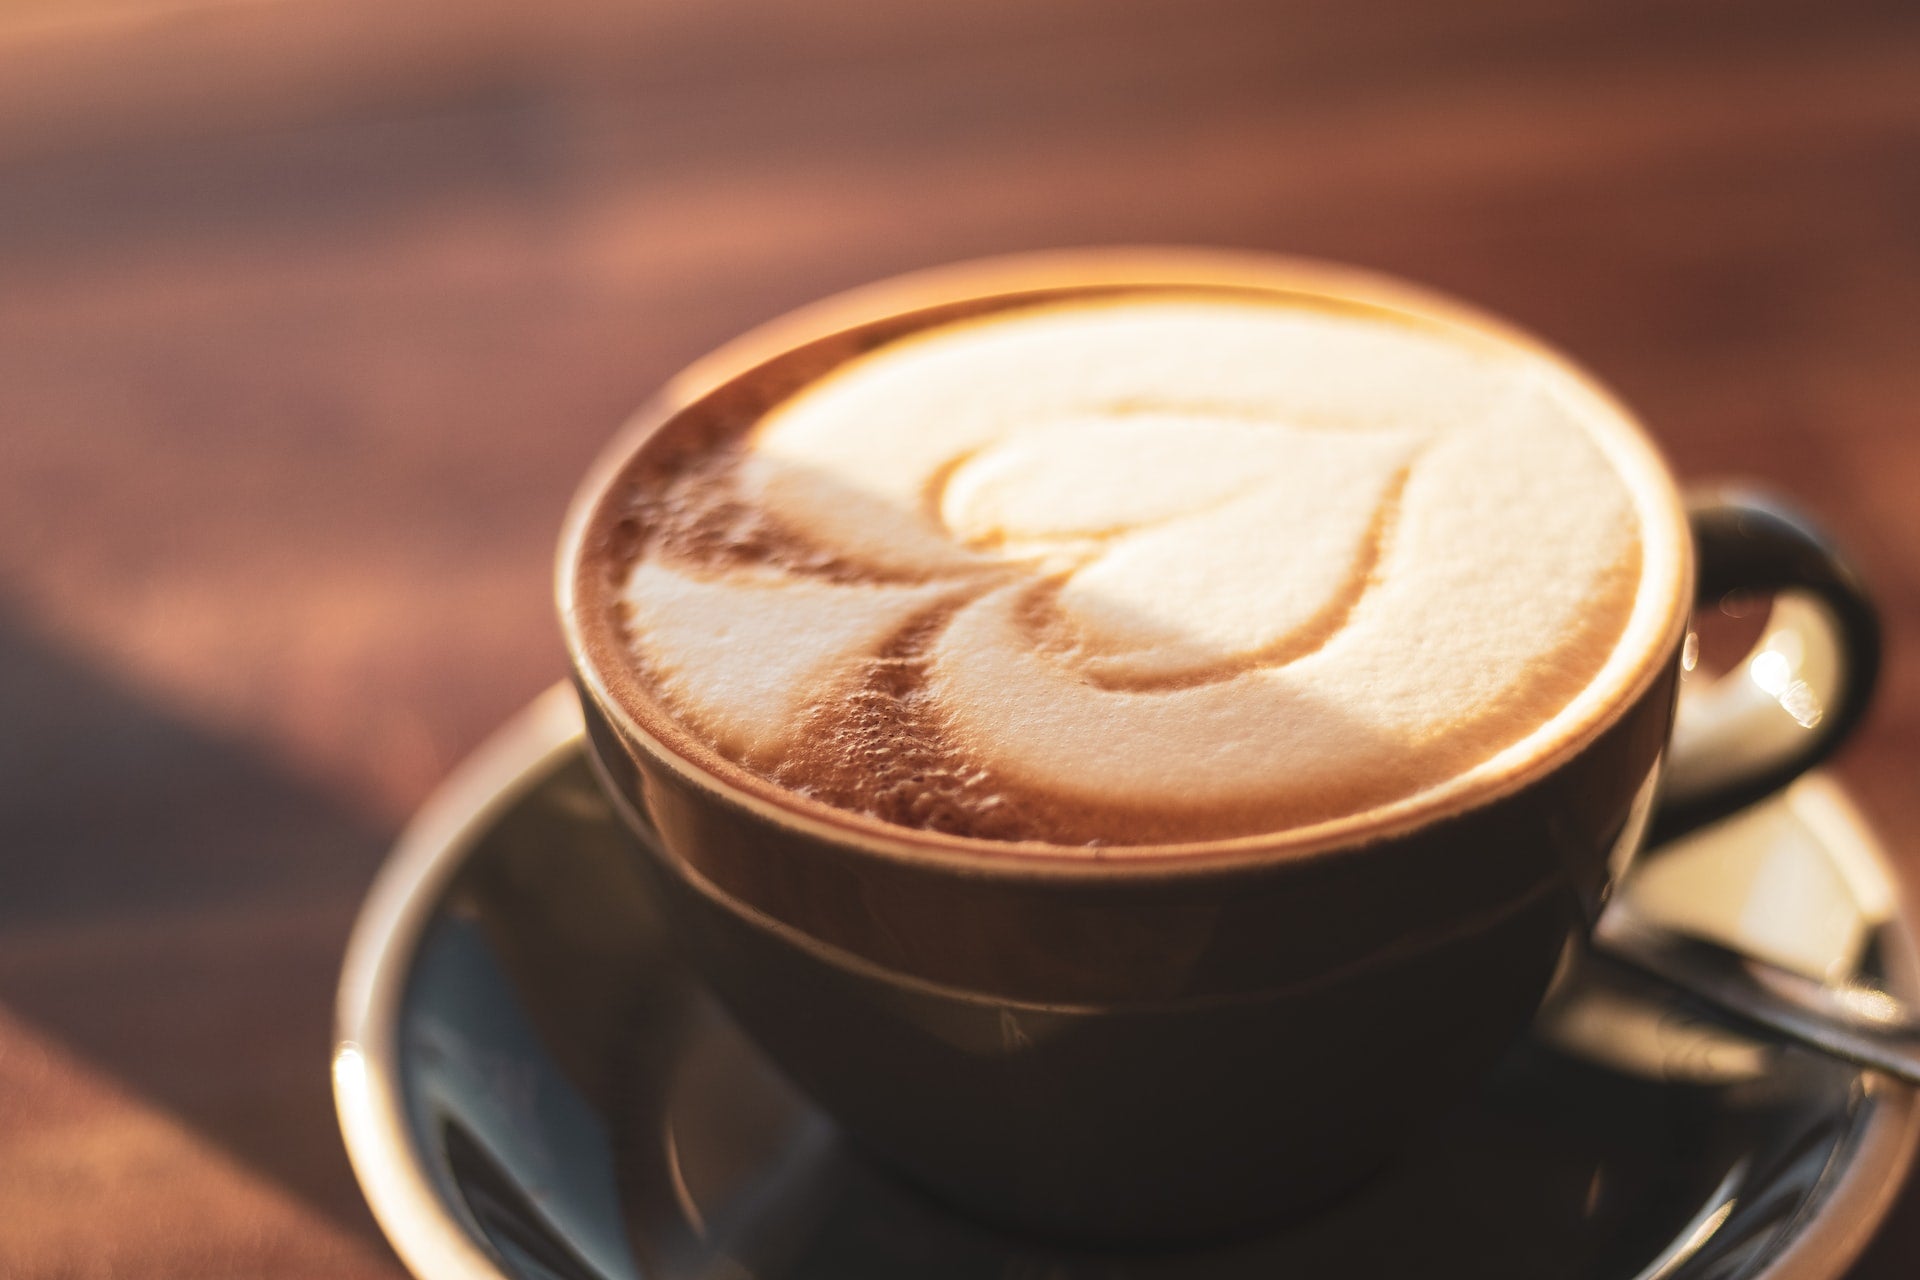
(311, 314)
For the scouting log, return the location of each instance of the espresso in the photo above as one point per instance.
(1134, 567)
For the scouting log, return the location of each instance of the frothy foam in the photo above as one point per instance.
(1136, 569)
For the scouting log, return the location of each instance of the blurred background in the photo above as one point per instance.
(313, 311)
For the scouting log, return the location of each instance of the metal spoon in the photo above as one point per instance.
(1854, 1022)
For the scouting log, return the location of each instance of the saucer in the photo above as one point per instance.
(532, 1088)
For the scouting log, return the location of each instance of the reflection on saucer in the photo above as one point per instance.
(1798, 885)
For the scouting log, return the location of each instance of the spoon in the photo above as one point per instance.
(1852, 1021)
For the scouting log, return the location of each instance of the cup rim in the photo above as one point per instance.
(1660, 616)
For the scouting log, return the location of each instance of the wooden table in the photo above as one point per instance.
(312, 311)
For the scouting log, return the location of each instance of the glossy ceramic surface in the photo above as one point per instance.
(531, 1086)
(1157, 1043)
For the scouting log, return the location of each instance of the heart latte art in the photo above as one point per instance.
(1133, 569)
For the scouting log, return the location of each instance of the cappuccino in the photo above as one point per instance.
(1128, 567)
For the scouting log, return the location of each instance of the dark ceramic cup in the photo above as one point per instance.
(1199, 1039)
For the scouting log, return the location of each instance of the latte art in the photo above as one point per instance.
(1137, 569)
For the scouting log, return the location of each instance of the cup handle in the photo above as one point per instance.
(1803, 688)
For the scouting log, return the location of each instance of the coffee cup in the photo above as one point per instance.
(1129, 988)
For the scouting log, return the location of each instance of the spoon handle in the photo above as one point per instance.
(1855, 1022)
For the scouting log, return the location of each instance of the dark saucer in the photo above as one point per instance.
(530, 1086)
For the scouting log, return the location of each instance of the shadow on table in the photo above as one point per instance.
(174, 911)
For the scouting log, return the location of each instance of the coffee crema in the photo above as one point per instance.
(1135, 567)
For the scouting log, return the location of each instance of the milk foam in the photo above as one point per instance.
(1140, 569)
